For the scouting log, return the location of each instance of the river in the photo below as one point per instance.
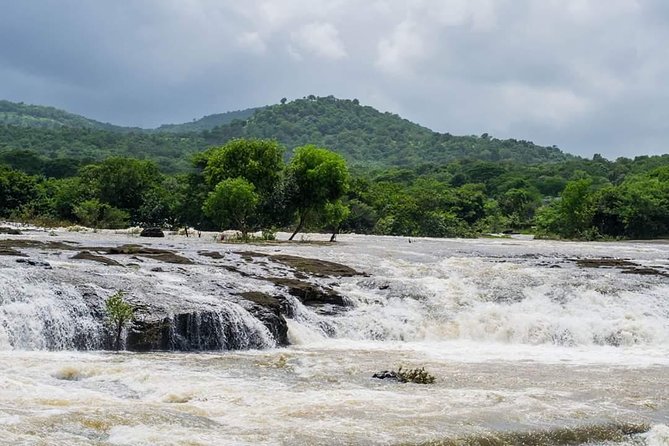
(524, 337)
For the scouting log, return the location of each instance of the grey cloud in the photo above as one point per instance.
(586, 75)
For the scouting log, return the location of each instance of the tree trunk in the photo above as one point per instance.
(300, 224)
(119, 331)
(335, 231)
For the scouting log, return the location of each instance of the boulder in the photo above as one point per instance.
(152, 232)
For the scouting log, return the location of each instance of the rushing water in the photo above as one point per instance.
(520, 338)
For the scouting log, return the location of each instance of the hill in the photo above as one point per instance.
(208, 122)
(25, 115)
(365, 136)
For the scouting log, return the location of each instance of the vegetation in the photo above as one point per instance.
(208, 122)
(361, 134)
(316, 177)
(417, 376)
(232, 204)
(408, 181)
(120, 313)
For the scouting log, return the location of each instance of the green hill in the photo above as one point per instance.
(365, 136)
(208, 122)
(25, 115)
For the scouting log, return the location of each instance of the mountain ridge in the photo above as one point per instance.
(365, 136)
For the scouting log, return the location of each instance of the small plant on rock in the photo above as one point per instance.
(120, 313)
(418, 376)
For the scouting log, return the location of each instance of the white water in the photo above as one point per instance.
(515, 343)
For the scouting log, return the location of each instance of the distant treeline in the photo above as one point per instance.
(247, 184)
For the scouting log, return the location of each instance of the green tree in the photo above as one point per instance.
(232, 204)
(122, 182)
(334, 214)
(571, 215)
(119, 313)
(16, 190)
(94, 214)
(317, 176)
(258, 161)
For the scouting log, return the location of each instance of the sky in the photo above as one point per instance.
(589, 76)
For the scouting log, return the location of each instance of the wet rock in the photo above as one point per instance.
(212, 254)
(305, 265)
(162, 255)
(146, 336)
(31, 262)
(626, 266)
(604, 263)
(270, 310)
(192, 331)
(11, 252)
(9, 231)
(17, 243)
(87, 255)
(316, 267)
(152, 232)
(386, 374)
(309, 293)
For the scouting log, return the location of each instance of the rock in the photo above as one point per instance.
(153, 253)
(152, 232)
(212, 254)
(191, 331)
(626, 266)
(305, 265)
(270, 311)
(9, 231)
(86, 255)
(386, 374)
(309, 293)
(315, 267)
(6, 251)
(30, 262)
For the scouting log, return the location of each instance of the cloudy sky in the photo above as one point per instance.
(586, 75)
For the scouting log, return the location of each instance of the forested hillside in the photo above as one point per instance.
(208, 122)
(24, 115)
(363, 135)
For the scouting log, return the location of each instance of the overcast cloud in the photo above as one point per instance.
(586, 75)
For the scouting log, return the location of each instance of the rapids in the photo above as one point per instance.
(524, 337)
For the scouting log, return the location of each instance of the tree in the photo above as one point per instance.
(317, 176)
(122, 182)
(232, 204)
(570, 215)
(16, 189)
(259, 161)
(335, 213)
(119, 313)
(94, 214)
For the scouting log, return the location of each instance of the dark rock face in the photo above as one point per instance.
(152, 232)
(270, 311)
(194, 331)
(309, 293)
(10, 231)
